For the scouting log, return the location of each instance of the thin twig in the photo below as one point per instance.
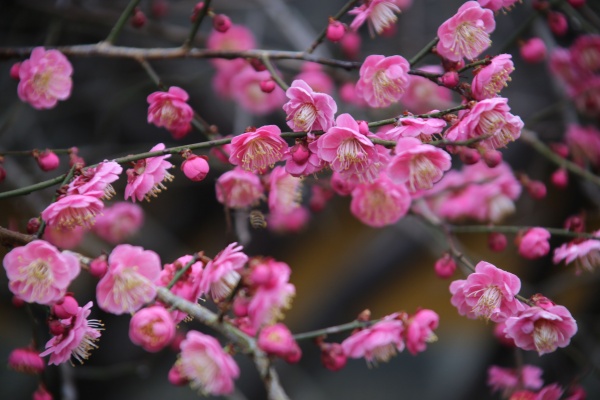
(116, 30)
(203, 12)
(336, 17)
(274, 75)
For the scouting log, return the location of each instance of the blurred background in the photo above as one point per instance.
(340, 267)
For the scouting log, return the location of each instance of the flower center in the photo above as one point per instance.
(131, 289)
(41, 81)
(385, 89)
(423, 172)
(305, 116)
(545, 336)
(470, 40)
(384, 353)
(260, 155)
(350, 154)
(489, 302)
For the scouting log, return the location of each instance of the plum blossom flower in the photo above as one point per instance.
(205, 364)
(26, 360)
(380, 14)
(96, 181)
(152, 328)
(222, 273)
(187, 286)
(308, 110)
(377, 343)
(119, 222)
(171, 110)
(45, 78)
(496, 5)
(541, 329)
(584, 144)
(77, 340)
(383, 80)
(245, 89)
(488, 293)
(285, 191)
(492, 78)
(534, 243)
(419, 330)
(239, 188)
(129, 281)
(146, 178)
(417, 164)
(423, 95)
(585, 254)
(420, 128)
(39, 273)
(237, 37)
(467, 33)
(288, 222)
(315, 77)
(302, 159)
(507, 379)
(72, 211)
(257, 150)
(277, 340)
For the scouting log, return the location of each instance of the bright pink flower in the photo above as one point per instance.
(489, 118)
(146, 178)
(418, 165)
(383, 80)
(77, 340)
(170, 110)
(302, 159)
(285, 191)
(585, 254)
(152, 328)
(496, 5)
(237, 37)
(239, 189)
(420, 128)
(467, 33)
(419, 330)
(222, 273)
(206, 365)
(348, 151)
(541, 329)
(487, 293)
(277, 340)
(129, 281)
(492, 78)
(533, 50)
(308, 110)
(119, 222)
(187, 286)
(381, 202)
(258, 150)
(96, 181)
(315, 77)
(39, 273)
(534, 243)
(423, 95)
(71, 211)
(290, 222)
(45, 78)
(507, 379)
(26, 360)
(380, 14)
(245, 89)
(377, 343)
(584, 144)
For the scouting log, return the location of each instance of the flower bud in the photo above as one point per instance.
(195, 168)
(558, 23)
(445, 266)
(98, 266)
(560, 178)
(138, 19)
(47, 160)
(33, 225)
(267, 86)
(536, 189)
(533, 50)
(335, 30)
(26, 360)
(332, 356)
(450, 79)
(221, 23)
(159, 8)
(196, 11)
(350, 44)
(469, 156)
(497, 241)
(176, 378)
(14, 71)
(66, 307)
(492, 158)
(257, 65)
(56, 327)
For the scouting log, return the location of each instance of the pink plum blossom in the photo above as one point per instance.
(445, 266)
(239, 188)
(72, 211)
(418, 165)
(585, 254)
(285, 191)
(119, 222)
(187, 286)
(421, 128)
(585, 53)
(423, 95)
(419, 330)
(584, 144)
(222, 273)
(487, 293)
(152, 328)
(290, 222)
(96, 181)
(533, 50)
(496, 5)
(129, 282)
(380, 15)
(377, 343)
(171, 110)
(207, 367)
(45, 78)
(467, 33)
(308, 110)
(146, 178)
(66, 239)
(39, 273)
(277, 340)
(237, 37)
(26, 360)
(315, 77)
(257, 150)
(508, 380)
(302, 159)
(195, 168)
(492, 78)
(245, 89)
(47, 160)
(534, 243)
(77, 340)
(381, 202)
(541, 329)
(383, 80)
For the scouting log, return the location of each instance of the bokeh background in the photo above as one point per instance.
(340, 266)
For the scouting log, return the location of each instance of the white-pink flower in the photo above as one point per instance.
(508, 380)
(308, 110)
(129, 282)
(585, 254)
(45, 78)
(420, 128)
(285, 191)
(39, 273)
(258, 150)
(205, 364)
(222, 273)
(72, 211)
(419, 330)
(77, 340)
(492, 78)
(277, 340)
(383, 80)
(467, 33)
(171, 110)
(146, 178)
(152, 328)
(239, 188)
(380, 14)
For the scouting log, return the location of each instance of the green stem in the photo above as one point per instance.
(265, 59)
(336, 17)
(203, 12)
(116, 30)
(334, 329)
(183, 270)
(423, 52)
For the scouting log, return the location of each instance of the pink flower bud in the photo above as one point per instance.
(335, 30)
(26, 360)
(332, 356)
(197, 8)
(14, 71)
(350, 44)
(560, 149)
(33, 225)
(492, 158)
(450, 79)
(17, 302)
(267, 86)
(576, 3)
(560, 178)
(98, 267)
(159, 8)
(221, 23)
(66, 307)
(195, 168)
(452, 65)
(445, 266)
(497, 241)
(56, 327)
(257, 65)
(176, 378)
(533, 50)
(47, 160)
(469, 156)
(74, 157)
(575, 223)
(138, 19)
(558, 23)
(536, 189)
(152, 328)
(42, 394)
(278, 340)
(363, 127)
(534, 243)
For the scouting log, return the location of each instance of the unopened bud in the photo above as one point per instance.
(558, 23)
(335, 30)
(138, 19)
(267, 86)
(221, 23)
(497, 241)
(450, 79)
(47, 160)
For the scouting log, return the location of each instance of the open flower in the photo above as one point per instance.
(257, 150)
(222, 273)
(383, 80)
(239, 188)
(71, 211)
(492, 78)
(377, 343)
(308, 110)
(146, 178)
(380, 14)
(152, 328)
(171, 110)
